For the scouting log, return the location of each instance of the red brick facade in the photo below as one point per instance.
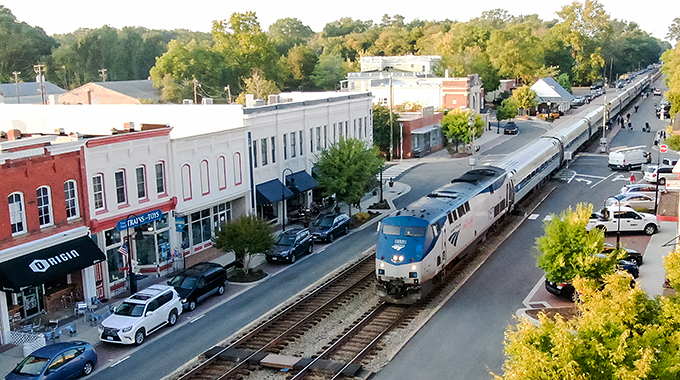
(25, 175)
(421, 122)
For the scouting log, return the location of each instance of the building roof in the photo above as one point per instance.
(29, 92)
(139, 89)
(548, 89)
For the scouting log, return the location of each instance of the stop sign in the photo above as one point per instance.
(663, 148)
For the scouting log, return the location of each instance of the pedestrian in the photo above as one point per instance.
(663, 133)
(647, 127)
(628, 117)
(630, 126)
(636, 108)
(632, 178)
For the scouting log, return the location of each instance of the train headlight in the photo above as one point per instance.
(414, 267)
(398, 258)
(382, 265)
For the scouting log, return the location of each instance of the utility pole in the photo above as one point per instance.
(228, 90)
(16, 83)
(391, 129)
(102, 73)
(40, 79)
(195, 86)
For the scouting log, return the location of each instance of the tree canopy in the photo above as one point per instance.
(456, 126)
(347, 169)
(246, 236)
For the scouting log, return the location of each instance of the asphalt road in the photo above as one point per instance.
(464, 340)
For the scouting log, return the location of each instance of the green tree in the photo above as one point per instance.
(671, 68)
(456, 126)
(288, 32)
(258, 86)
(567, 250)
(516, 52)
(506, 111)
(381, 127)
(301, 62)
(525, 98)
(21, 46)
(347, 169)
(246, 236)
(329, 71)
(564, 81)
(674, 31)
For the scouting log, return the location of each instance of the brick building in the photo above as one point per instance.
(422, 132)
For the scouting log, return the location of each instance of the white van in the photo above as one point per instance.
(627, 158)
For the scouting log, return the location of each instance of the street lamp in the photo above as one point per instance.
(133, 280)
(283, 197)
(656, 191)
(618, 227)
(549, 109)
(471, 124)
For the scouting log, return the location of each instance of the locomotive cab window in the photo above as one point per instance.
(415, 231)
(389, 229)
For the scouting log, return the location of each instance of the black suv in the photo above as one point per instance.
(330, 226)
(198, 282)
(290, 245)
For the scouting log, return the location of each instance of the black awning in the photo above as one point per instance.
(50, 263)
(270, 192)
(300, 181)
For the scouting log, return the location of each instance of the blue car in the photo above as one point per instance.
(59, 361)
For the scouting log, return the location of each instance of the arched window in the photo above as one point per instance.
(71, 199)
(44, 199)
(237, 169)
(205, 178)
(98, 191)
(186, 182)
(222, 172)
(140, 176)
(17, 213)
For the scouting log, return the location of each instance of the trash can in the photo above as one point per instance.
(603, 145)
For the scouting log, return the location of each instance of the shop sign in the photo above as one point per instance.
(180, 223)
(138, 220)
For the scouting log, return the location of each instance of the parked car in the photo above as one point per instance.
(290, 245)
(59, 361)
(596, 85)
(657, 91)
(327, 228)
(624, 218)
(633, 200)
(643, 188)
(669, 161)
(199, 282)
(142, 314)
(560, 288)
(578, 101)
(631, 254)
(510, 128)
(625, 265)
(661, 173)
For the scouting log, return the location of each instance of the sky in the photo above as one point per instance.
(64, 17)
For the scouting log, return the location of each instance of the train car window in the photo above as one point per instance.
(467, 207)
(450, 217)
(461, 211)
(455, 215)
(415, 231)
(491, 189)
(389, 229)
(436, 229)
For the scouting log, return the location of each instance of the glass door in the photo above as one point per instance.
(32, 299)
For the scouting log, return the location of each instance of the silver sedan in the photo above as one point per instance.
(636, 201)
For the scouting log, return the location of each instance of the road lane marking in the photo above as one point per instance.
(197, 318)
(604, 179)
(120, 361)
(587, 181)
(548, 217)
(590, 176)
(533, 217)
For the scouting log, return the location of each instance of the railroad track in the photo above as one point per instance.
(274, 334)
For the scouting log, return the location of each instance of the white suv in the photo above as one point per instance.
(141, 314)
(630, 220)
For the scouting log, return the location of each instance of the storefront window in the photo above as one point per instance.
(163, 246)
(146, 249)
(162, 222)
(221, 214)
(155, 242)
(200, 227)
(112, 237)
(115, 263)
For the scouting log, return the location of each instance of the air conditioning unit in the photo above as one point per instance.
(187, 101)
(207, 101)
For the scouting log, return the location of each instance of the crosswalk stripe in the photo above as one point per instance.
(533, 217)
(548, 217)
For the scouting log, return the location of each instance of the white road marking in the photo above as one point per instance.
(590, 176)
(197, 318)
(533, 217)
(587, 181)
(120, 361)
(604, 179)
(621, 177)
(548, 217)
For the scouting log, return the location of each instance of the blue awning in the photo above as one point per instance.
(300, 181)
(270, 192)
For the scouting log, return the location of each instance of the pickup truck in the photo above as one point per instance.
(631, 220)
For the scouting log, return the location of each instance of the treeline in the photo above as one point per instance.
(238, 55)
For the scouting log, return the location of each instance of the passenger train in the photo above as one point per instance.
(417, 243)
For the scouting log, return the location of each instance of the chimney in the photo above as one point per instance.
(250, 99)
(88, 95)
(13, 134)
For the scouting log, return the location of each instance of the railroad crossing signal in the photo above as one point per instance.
(663, 148)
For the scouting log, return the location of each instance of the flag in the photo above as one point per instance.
(124, 255)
